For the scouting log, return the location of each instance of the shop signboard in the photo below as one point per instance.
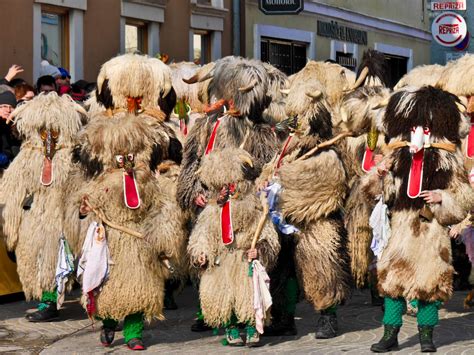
(449, 29)
(459, 5)
(281, 7)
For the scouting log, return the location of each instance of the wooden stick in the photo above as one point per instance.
(261, 222)
(325, 144)
(101, 215)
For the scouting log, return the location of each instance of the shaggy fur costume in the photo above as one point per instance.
(357, 114)
(456, 76)
(313, 191)
(246, 123)
(137, 276)
(335, 79)
(421, 75)
(33, 213)
(225, 286)
(416, 264)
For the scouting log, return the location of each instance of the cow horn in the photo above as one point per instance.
(461, 107)
(316, 94)
(191, 80)
(361, 79)
(285, 91)
(344, 115)
(196, 79)
(246, 159)
(381, 104)
(248, 87)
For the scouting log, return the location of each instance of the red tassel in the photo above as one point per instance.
(90, 307)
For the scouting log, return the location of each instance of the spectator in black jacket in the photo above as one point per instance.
(9, 144)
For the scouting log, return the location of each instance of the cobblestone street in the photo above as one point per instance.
(359, 323)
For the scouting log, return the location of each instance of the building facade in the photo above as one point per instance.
(80, 35)
(340, 30)
(441, 54)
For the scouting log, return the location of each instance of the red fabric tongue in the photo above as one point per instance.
(130, 191)
(183, 127)
(368, 160)
(212, 139)
(226, 224)
(470, 142)
(283, 152)
(416, 174)
(47, 172)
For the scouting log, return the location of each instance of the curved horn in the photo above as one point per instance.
(167, 88)
(381, 104)
(191, 80)
(344, 115)
(361, 79)
(316, 94)
(461, 107)
(248, 87)
(197, 79)
(245, 159)
(285, 91)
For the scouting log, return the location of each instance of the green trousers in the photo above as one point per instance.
(49, 296)
(133, 325)
(395, 307)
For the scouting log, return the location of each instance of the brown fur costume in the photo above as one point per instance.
(33, 213)
(312, 196)
(136, 280)
(357, 114)
(335, 79)
(225, 285)
(416, 264)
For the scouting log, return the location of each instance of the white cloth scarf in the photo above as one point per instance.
(262, 300)
(64, 268)
(380, 224)
(95, 258)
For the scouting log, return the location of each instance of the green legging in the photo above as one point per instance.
(49, 296)
(395, 307)
(132, 326)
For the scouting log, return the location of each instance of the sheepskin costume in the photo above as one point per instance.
(188, 106)
(32, 188)
(136, 280)
(358, 113)
(311, 199)
(425, 127)
(225, 286)
(335, 78)
(239, 88)
(420, 76)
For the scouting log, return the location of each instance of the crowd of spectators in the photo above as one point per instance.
(15, 91)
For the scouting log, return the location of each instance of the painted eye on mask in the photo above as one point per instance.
(130, 157)
(120, 160)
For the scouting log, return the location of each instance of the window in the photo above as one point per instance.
(55, 37)
(287, 56)
(346, 60)
(135, 36)
(397, 68)
(201, 47)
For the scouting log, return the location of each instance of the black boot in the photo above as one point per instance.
(425, 334)
(389, 341)
(327, 326)
(200, 326)
(46, 312)
(283, 326)
(107, 336)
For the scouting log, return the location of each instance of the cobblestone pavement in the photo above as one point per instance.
(359, 323)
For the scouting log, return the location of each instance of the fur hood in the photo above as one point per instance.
(50, 112)
(134, 76)
(457, 76)
(121, 134)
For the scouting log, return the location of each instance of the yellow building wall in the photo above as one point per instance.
(410, 12)
(308, 22)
